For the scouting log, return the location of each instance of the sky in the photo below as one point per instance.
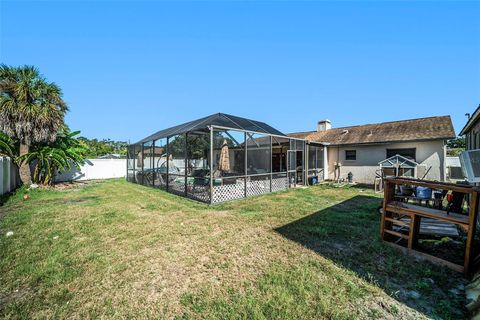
(129, 69)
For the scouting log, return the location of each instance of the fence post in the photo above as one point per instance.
(2, 175)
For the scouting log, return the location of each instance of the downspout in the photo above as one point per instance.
(337, 168)
(325, 163)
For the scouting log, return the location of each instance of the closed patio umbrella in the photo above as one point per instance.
(224, 163)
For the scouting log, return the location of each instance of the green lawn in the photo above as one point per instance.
(114, 250)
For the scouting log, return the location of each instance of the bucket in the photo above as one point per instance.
(424, 193)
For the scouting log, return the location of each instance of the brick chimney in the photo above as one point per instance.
(324, 125)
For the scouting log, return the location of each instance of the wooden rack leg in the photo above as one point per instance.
(389, 191)
(471, 230)
(414, 230)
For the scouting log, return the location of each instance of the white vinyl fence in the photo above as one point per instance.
(9, 178)
(91, 170)
(96, 169)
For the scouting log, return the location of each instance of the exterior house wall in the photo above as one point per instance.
(428, 154)
(472, 137)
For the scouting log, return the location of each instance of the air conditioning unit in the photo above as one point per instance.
(470, 161)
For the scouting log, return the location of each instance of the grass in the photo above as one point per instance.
(117, 250)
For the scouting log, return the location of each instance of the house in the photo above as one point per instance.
(359, 149)
(223, 157)
(471, 131)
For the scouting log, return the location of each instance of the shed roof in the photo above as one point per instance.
(398, 161)
(217, 119)
(432, 128)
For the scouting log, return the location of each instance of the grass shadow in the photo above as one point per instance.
(348, 233)
(6, 196)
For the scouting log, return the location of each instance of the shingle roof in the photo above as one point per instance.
(432, 128)
(217, 119)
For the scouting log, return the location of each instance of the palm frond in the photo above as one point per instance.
(66, 152)
(31, 109)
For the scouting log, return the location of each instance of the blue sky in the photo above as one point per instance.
(128, 69)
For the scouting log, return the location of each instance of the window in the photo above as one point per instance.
(350, 154)
(407, 153)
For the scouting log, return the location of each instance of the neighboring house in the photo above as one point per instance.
(359, 149)
(471, 131)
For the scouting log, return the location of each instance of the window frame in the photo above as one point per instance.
(354, 155)
(401, 149)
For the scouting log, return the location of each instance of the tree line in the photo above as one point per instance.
(96, 148)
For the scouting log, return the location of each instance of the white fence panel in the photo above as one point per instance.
(9, 178)
(96, 169)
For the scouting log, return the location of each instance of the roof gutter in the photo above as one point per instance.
(381, 142)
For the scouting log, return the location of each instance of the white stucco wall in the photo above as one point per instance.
(428, 154)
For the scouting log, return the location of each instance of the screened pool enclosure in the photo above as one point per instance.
(222, 157)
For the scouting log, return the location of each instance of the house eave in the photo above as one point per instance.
(474, 118)
(332, 144)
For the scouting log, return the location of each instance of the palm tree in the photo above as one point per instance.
(31, 109)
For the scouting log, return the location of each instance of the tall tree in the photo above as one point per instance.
(31, 109)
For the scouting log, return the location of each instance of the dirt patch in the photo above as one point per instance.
(60, 186)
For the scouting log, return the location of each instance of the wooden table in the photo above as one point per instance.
(436, 202)
(394, 211)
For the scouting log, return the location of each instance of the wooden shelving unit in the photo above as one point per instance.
(394, 227)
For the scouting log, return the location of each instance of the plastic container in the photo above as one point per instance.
(313, 180)
(424, 193)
